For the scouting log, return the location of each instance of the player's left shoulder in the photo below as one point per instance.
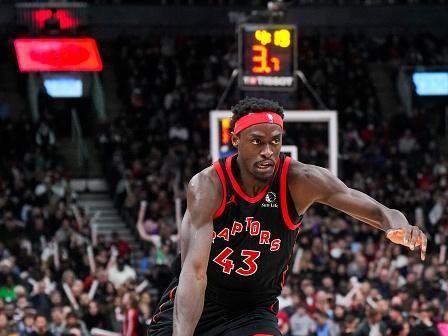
(298, 171)
(300, 177)
(305, 174)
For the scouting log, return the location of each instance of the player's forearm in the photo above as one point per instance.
(385, 219)
(189, 302)
(366, 209)
(393, 219)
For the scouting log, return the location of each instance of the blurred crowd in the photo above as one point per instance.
(59, 277)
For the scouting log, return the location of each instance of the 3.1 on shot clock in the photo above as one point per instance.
(268, 57)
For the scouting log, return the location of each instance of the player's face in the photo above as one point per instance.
(259, 148)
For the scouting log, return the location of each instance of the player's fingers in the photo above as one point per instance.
(415, 233)
(424, 245)
(406, 237)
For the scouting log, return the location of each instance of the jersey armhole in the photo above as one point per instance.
(284, 197)
(220, 173)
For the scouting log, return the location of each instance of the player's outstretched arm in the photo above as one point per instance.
(203, 199)
(309, 184)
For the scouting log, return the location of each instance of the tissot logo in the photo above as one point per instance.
(271, 199)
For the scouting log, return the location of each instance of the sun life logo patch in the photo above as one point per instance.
(270, 199)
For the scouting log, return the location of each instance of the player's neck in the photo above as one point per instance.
(251, 185)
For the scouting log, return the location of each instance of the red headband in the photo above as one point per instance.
(257, 118)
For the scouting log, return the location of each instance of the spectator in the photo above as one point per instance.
(325, 326)
(28, 324)
(283, 322)
(425, 326)
(372, 325)
(396, 322)
(41, 301)
(349, 326)
(95, 319)
(285, 299)
(40, 326)
(57, 325)
(5, 328)
(301, 322)
(120, 273)
(131, 315)
(73, 323)
(121, 245)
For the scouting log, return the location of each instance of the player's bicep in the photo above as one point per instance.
(313, 184)
(203, 199)
(331, 191)
(198, 240)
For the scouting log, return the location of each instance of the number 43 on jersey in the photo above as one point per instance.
(222, 259)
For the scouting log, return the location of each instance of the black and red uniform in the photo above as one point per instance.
(253, 240)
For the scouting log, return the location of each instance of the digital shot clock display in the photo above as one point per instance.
(267, 57)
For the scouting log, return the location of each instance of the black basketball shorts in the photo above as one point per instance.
(216, 320)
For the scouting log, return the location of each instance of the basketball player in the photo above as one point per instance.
(242, 220)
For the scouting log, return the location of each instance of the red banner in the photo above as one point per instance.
(57, 54)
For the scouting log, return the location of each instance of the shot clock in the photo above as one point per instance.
(267, 57)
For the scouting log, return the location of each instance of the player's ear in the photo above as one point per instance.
(235, 140)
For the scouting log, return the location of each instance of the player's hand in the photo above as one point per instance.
(410, 236)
